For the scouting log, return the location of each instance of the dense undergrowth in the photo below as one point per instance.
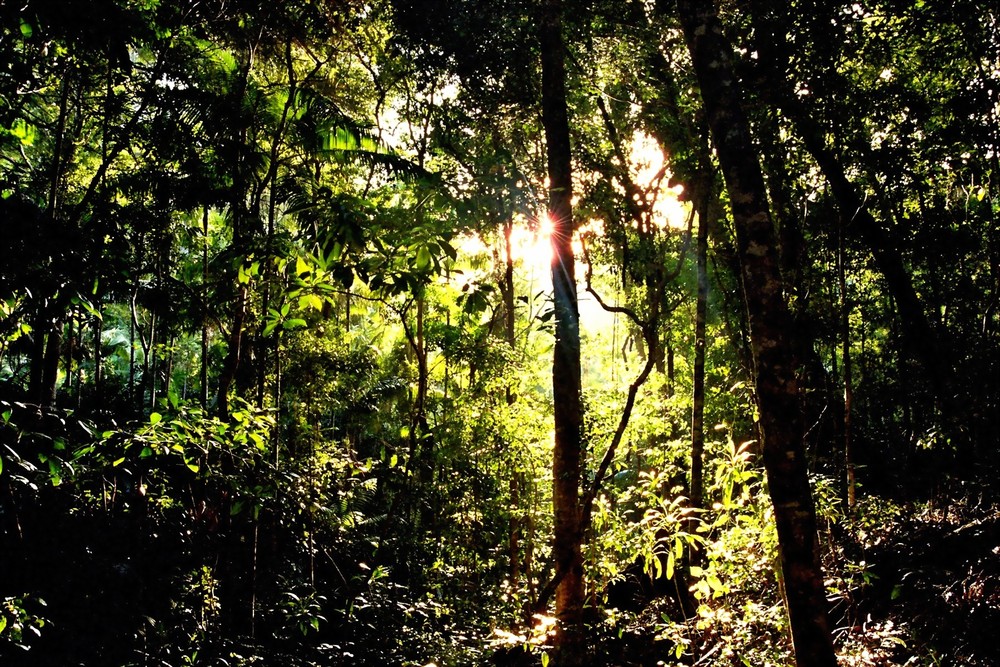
(181, 540)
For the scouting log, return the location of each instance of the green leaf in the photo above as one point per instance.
(24, 131)
(423, 258)
(26, 30)
(311, 301)
(154, 418)
(193, 467)
(55, 475)
(118, 462)
(293, 323)
(258, 441)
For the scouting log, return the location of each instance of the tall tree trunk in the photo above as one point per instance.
(69, 348)
(845, 339)
(509, 317)
(98, 358)
(131, 351)
(419, 428)
(566, 374)
(245, 224)
(770, 322)
(232, 361)
(50, 365)
(698, 381)
(203, 371)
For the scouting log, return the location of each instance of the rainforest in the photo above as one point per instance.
(529, 332)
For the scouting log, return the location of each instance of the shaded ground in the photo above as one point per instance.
(932, 594)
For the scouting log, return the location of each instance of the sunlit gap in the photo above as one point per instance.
(652, 177)
(531, 245)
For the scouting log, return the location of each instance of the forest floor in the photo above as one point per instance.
(930, 590)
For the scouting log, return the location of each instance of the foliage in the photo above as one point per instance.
(273, 389)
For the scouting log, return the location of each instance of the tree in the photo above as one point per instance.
(567, 401)
(774, 365)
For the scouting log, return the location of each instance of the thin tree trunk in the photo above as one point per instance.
(507, 291)
(169, 366)
(98, 360)
(131, 351)
(50, 367)
(698, 397)
(232, 362)
(48, 336)
(419, 421)
(566, 373)
(770, 322)
(204, 311)
(70, 347)
(152, 359)
(845, 338)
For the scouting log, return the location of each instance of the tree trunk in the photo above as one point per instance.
(203, 371)
(566, 380)
(507, 291)
(845, 339)
(232, 361)
(98, 359)
(770, 322)
(50, 366)
(698, 381)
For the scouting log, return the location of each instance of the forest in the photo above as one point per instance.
(528, 332)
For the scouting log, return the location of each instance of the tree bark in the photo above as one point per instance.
(509, 318)
(770, 322)
(698, 381)
(845, 341)
(203, 371)
(232, 361)
(50, 366)
(566, 374)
